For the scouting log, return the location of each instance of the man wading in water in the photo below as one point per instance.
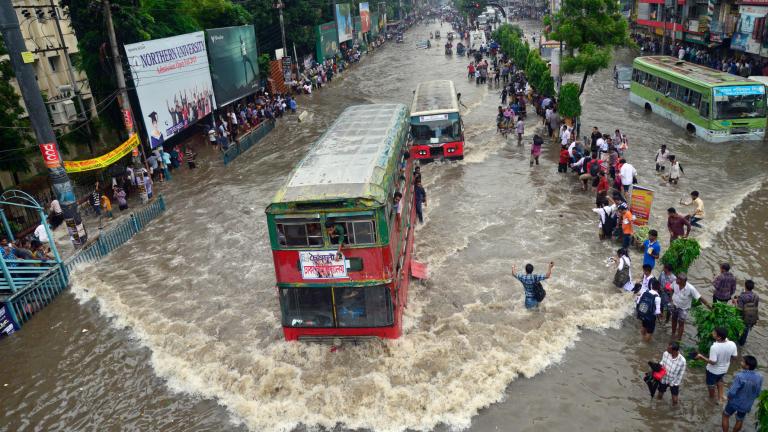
(529, 281)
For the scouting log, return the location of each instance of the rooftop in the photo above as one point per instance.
(692, 71)
(432, 96)
(352, 158)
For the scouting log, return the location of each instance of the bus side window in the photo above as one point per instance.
(704, 109)
(672, 90)
(300, 234)
(635, 75)
(695, 98)
(681, 93)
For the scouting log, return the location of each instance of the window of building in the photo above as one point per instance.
(54, 62)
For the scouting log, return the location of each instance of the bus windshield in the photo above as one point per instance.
(734, 102)
(436, 129)
(344, 307)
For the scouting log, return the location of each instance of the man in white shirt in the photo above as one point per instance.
(683, 294)
(720, 354)
(41, 233)
(627, 173)
(648, 309)
(681, 53)
(565, 137)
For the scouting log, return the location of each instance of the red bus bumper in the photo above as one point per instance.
(391, 332)
(451, 150)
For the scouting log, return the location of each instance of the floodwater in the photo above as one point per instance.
(178, 330)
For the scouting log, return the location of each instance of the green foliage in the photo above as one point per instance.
(590, 30)
(14, 135)
(263, 62)
(510, 39)
(762, 412)
(681, 254)
(570, 106)
(721, 315)
(640, 232)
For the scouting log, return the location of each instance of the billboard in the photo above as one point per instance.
(642, 200)
(357, 35)
(383, 21)
(327, 41)
(344, 22)
(749, 18)
(234, 66)
(173, 83)
(365, 17)
(374, 24)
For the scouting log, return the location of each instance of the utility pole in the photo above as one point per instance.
(664, 29)
(71, 74)
(125, 104)
(41, 124)
(280, 6)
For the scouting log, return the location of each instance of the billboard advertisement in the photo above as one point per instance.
(357, 35)
(374, 24)
(383, 21)
(234, 66)
(642, 201)
(327, 41)
(365, 17)
(344, 22)
(173, 83)
(749, 17)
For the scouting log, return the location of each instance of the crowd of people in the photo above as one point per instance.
(600, 163)
(735, 64)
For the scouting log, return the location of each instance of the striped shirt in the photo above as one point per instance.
(675, 369)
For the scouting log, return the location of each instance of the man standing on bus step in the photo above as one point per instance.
(419, 197)
(529, 281)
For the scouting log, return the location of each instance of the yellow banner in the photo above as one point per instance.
(105, 160)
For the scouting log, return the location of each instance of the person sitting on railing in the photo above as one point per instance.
(22, 249)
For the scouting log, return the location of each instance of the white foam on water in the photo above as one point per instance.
(719, 213)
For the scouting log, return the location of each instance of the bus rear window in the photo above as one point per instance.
(300, 233)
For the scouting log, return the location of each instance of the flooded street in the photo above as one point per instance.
(178, 330)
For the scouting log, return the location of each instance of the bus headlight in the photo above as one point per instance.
(451, 149)
(422, 152)
(758, 130)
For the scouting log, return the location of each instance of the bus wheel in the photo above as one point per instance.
(690, 128)
(648, 107)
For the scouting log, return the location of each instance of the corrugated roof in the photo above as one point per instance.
(352, 158)
(434, 96)
(692, 71)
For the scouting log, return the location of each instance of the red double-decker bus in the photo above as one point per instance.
(436, 127)
(341, 229)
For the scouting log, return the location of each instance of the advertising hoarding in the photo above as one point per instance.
(642, 201)
(322, 265)
(173, 83)
(365, 18)
(344, 22)
(374, 24)
(234, 62)
(327, 41)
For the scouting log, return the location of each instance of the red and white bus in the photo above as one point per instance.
(436, 127)
(345, 190)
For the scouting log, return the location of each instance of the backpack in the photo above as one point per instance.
(749, 313)
(622, 276)
(594, 168)
(538, 291)
(646, 307)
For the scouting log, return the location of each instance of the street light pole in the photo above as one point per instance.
(280, 6)
(41, 124)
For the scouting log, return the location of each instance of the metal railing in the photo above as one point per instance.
(49, 281)
(247, 141)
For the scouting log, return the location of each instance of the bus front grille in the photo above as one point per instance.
(337, 340)
(739, 130)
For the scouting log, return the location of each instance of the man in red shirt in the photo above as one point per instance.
(676, 225)
(602, 185)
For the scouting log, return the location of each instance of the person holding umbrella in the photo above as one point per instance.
(674, 364)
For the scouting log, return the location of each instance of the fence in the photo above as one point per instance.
(247, 141)
(40, 292)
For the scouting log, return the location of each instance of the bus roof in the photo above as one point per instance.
(352, 158)
(698, 74)
(433, 97)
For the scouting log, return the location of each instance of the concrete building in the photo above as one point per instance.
(52, 58)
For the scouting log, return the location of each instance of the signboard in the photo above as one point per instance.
(27, 57)
(343, 22)
(173, 83)
(327, 41)
(51, 156)
(6, 324)
(436, 117)
(374, 25)
(356, 34)
(365, 18)
(104, 160)
(286, 62)
(127, 120)
(743, 90)
(383, 21)
(641, 199)
(234, 62)
(742, 37)
(322, 265)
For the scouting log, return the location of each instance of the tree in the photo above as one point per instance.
(14, 135)
(590, 30)
(569, 105)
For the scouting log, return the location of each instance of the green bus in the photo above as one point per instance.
(713, 105)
